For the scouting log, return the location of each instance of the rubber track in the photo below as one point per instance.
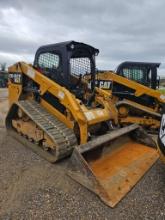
(63, 137)
(139, 107)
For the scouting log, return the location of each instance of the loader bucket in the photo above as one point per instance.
(113, 163)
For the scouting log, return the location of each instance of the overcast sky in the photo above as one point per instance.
(121, 29)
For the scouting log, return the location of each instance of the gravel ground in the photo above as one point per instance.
(3, 105)
(32, 188)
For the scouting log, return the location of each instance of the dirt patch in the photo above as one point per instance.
(3, 93)
(3, 106)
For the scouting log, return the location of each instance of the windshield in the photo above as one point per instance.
(80, 66)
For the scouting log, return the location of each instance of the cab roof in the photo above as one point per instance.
(69, 45)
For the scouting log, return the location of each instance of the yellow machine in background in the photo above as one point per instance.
(133, 90)
(53, 112)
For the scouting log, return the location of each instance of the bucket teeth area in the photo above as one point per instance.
(118, 172)
(115, 170)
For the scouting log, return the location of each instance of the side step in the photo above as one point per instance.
(111, 165)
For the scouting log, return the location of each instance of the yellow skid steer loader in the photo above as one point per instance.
(133, 91)
(53, 112)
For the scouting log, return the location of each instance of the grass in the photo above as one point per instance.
(162, 91)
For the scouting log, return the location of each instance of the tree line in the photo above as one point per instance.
(2, 66)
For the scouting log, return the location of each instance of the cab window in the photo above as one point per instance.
(136, 74)
(80, 65)
(48, 60)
